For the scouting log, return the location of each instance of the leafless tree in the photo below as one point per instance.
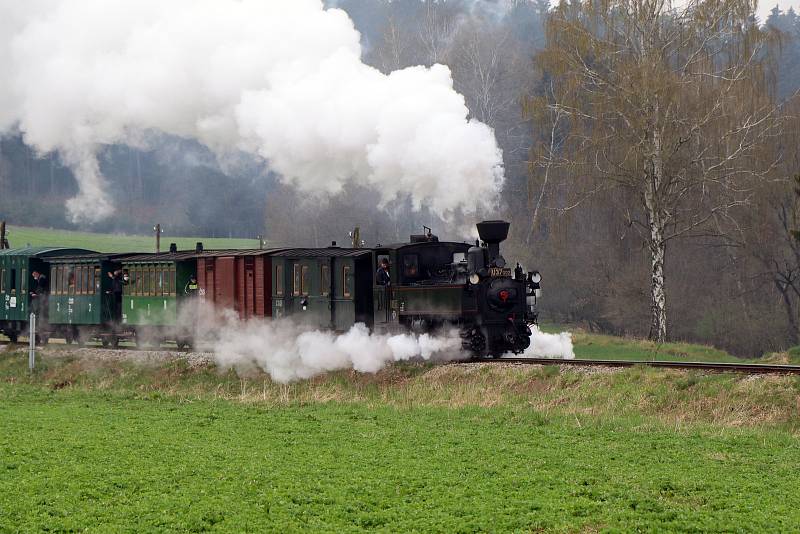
(673, 106)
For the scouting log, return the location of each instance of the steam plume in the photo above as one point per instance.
(290, 351)
(279, 79)
(544, 345)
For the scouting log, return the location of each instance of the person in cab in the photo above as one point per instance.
(382, 277)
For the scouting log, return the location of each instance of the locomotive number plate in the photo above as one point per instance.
(499, 272)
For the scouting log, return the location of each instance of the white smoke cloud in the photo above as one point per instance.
(544, 345)
(281, 79)
(290, 352)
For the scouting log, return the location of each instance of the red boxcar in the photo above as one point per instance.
(237, 279)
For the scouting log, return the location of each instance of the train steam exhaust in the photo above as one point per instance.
(290, 351)
(282, 80)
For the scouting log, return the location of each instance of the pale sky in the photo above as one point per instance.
(765, 6)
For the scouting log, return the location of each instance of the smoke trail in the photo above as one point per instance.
(289, 352)
(283, 80)
(544, 345)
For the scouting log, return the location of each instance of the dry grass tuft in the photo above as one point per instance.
(672, 397)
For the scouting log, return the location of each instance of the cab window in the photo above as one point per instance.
(411, 265)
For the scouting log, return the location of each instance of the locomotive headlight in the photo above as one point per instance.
(536, 277)
(474, 279)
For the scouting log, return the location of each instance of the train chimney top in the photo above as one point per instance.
(493, 233)
(199, 247)
(173, 248)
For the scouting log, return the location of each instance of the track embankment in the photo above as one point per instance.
(746, 368)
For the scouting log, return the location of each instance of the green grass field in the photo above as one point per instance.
(109, 446)
(593, 346)
(20, 236)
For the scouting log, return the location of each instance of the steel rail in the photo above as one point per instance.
(748, 368)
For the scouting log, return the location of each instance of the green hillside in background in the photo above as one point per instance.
(20, 236)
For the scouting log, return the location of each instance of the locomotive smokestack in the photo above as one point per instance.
(493, 233)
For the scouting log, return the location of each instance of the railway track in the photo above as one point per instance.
(745, 368)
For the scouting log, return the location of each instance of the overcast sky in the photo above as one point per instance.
(765, 6)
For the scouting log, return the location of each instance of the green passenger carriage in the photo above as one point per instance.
(155, 293)
(16, 266)
(81, 304)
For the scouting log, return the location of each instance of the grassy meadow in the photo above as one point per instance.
(96, 445)
(20, 236)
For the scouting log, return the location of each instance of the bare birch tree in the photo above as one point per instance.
(672, 105)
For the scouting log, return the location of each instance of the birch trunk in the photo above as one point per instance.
(657, 244)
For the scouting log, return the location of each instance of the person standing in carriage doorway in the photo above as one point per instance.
(192, 287)
(117, 287)
(39, 293)
(382, 276)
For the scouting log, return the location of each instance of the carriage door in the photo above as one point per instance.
(326, 292)
(381, 294)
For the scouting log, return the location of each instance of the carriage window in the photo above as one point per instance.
(63, 284)
(139, 280)
(71, 279)
(84, 279)
(54, 287)
(24, 282)
(279, 280)
(2, 281)
(58, 280)
(411, 265)
(89, 280)
(130, 289)
(146, 283)
(305, 283)
(13, 282)
(97, 279)
(153, 283)
(296, 286)
(172, 280)
(346, 281)
(325, 281)
(159, 282)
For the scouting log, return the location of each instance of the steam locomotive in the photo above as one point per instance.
(432, 284)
